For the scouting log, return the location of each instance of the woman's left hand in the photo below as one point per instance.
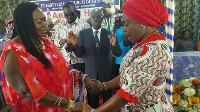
(113, 39)
(86, 108)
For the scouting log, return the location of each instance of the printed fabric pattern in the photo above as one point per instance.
(143, 74)
(39, 80)
(62, 33)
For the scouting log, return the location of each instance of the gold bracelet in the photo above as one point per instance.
(70, 106)
(83, 78)
(57, 101)
(61, 98)
(105, 87)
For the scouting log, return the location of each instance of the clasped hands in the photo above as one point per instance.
(94, 86)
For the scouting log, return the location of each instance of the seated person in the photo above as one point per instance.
(184, 43)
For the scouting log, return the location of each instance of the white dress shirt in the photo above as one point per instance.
(98, 34)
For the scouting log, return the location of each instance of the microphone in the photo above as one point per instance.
(2, 99)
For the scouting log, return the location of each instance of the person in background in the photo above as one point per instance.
(144, 69)
(117, 23)
(108, 18)
(78, 14)
(36, 77)
(185, 43)
(108, 23)
(96, 46)
(74, 24)
(120, 35)
(9, 28)
(3, 36)
(89, 22)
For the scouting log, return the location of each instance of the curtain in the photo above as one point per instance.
(185, 17)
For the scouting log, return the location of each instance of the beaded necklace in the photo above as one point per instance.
(152, 34)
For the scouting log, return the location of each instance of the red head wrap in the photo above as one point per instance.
(146, 12)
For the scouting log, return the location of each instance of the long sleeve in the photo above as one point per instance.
(116, 50)
(79, 51)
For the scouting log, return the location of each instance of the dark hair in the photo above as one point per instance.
(25, 28)
(69, 5)
(14, 34)
(184, 32)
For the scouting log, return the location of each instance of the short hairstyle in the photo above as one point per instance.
(95, 11)
(69, 5)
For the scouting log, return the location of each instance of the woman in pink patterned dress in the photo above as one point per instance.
(145, 67)
(36, 76)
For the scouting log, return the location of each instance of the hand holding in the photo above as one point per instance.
(91, 85)
(86, 108)
(100, 84)
(73, 38)
(113, 39)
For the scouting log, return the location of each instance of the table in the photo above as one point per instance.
(186, 65)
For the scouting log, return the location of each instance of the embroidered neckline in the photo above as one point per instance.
(151, 37)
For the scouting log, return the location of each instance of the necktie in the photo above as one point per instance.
(108, 23)
(97, 41)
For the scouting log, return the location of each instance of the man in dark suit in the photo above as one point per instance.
(96, 44)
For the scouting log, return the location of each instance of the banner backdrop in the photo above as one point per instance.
(84, 6)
